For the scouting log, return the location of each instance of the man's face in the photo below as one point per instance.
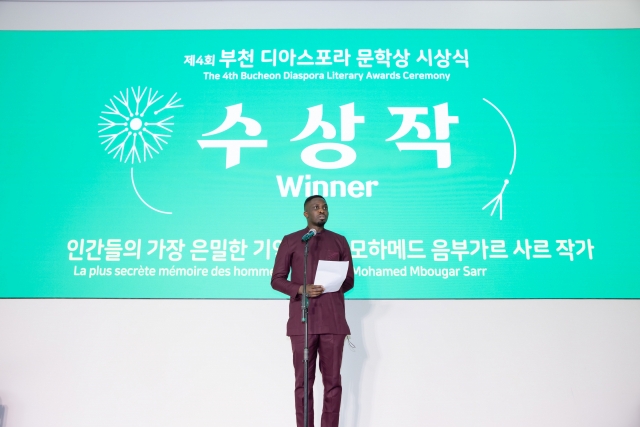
(317, 212)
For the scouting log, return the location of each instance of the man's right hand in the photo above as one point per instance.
(312, 290)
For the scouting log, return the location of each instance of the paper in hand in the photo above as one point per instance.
(331, 274)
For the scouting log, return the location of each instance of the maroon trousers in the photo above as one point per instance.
(329, 348)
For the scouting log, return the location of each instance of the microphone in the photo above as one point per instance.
(309, 235)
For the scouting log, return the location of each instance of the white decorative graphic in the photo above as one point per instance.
(135, 125)
(129, 131)
(133, 183)
(497, 201)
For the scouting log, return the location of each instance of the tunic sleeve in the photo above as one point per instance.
(281, 269)
(347, 285)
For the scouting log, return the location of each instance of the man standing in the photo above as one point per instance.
(327, 323)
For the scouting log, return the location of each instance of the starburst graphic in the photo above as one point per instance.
(125, 131)
(129, 135)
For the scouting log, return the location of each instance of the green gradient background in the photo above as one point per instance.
(572, 98)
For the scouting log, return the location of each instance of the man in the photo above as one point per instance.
(327, 323)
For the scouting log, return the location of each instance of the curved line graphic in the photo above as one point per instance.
(142, 200)
(513, 165)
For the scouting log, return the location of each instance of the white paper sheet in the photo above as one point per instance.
(331, 274)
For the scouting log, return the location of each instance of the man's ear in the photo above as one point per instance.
(306, 215)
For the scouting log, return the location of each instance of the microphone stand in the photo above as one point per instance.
(305, 320)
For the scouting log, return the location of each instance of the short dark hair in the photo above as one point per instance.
(317, 196)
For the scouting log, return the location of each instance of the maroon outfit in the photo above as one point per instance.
(327, 323)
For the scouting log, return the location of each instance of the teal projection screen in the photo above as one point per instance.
(458, 163)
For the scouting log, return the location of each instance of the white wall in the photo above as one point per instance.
(133, 363)
(504, 363)
(82, 15)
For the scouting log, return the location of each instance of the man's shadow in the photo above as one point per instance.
(356, 359)
(3, 414)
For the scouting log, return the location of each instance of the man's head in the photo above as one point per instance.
(316, 211)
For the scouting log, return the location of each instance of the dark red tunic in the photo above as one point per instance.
(326, 312)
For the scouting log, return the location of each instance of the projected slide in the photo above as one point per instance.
(458, 163)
